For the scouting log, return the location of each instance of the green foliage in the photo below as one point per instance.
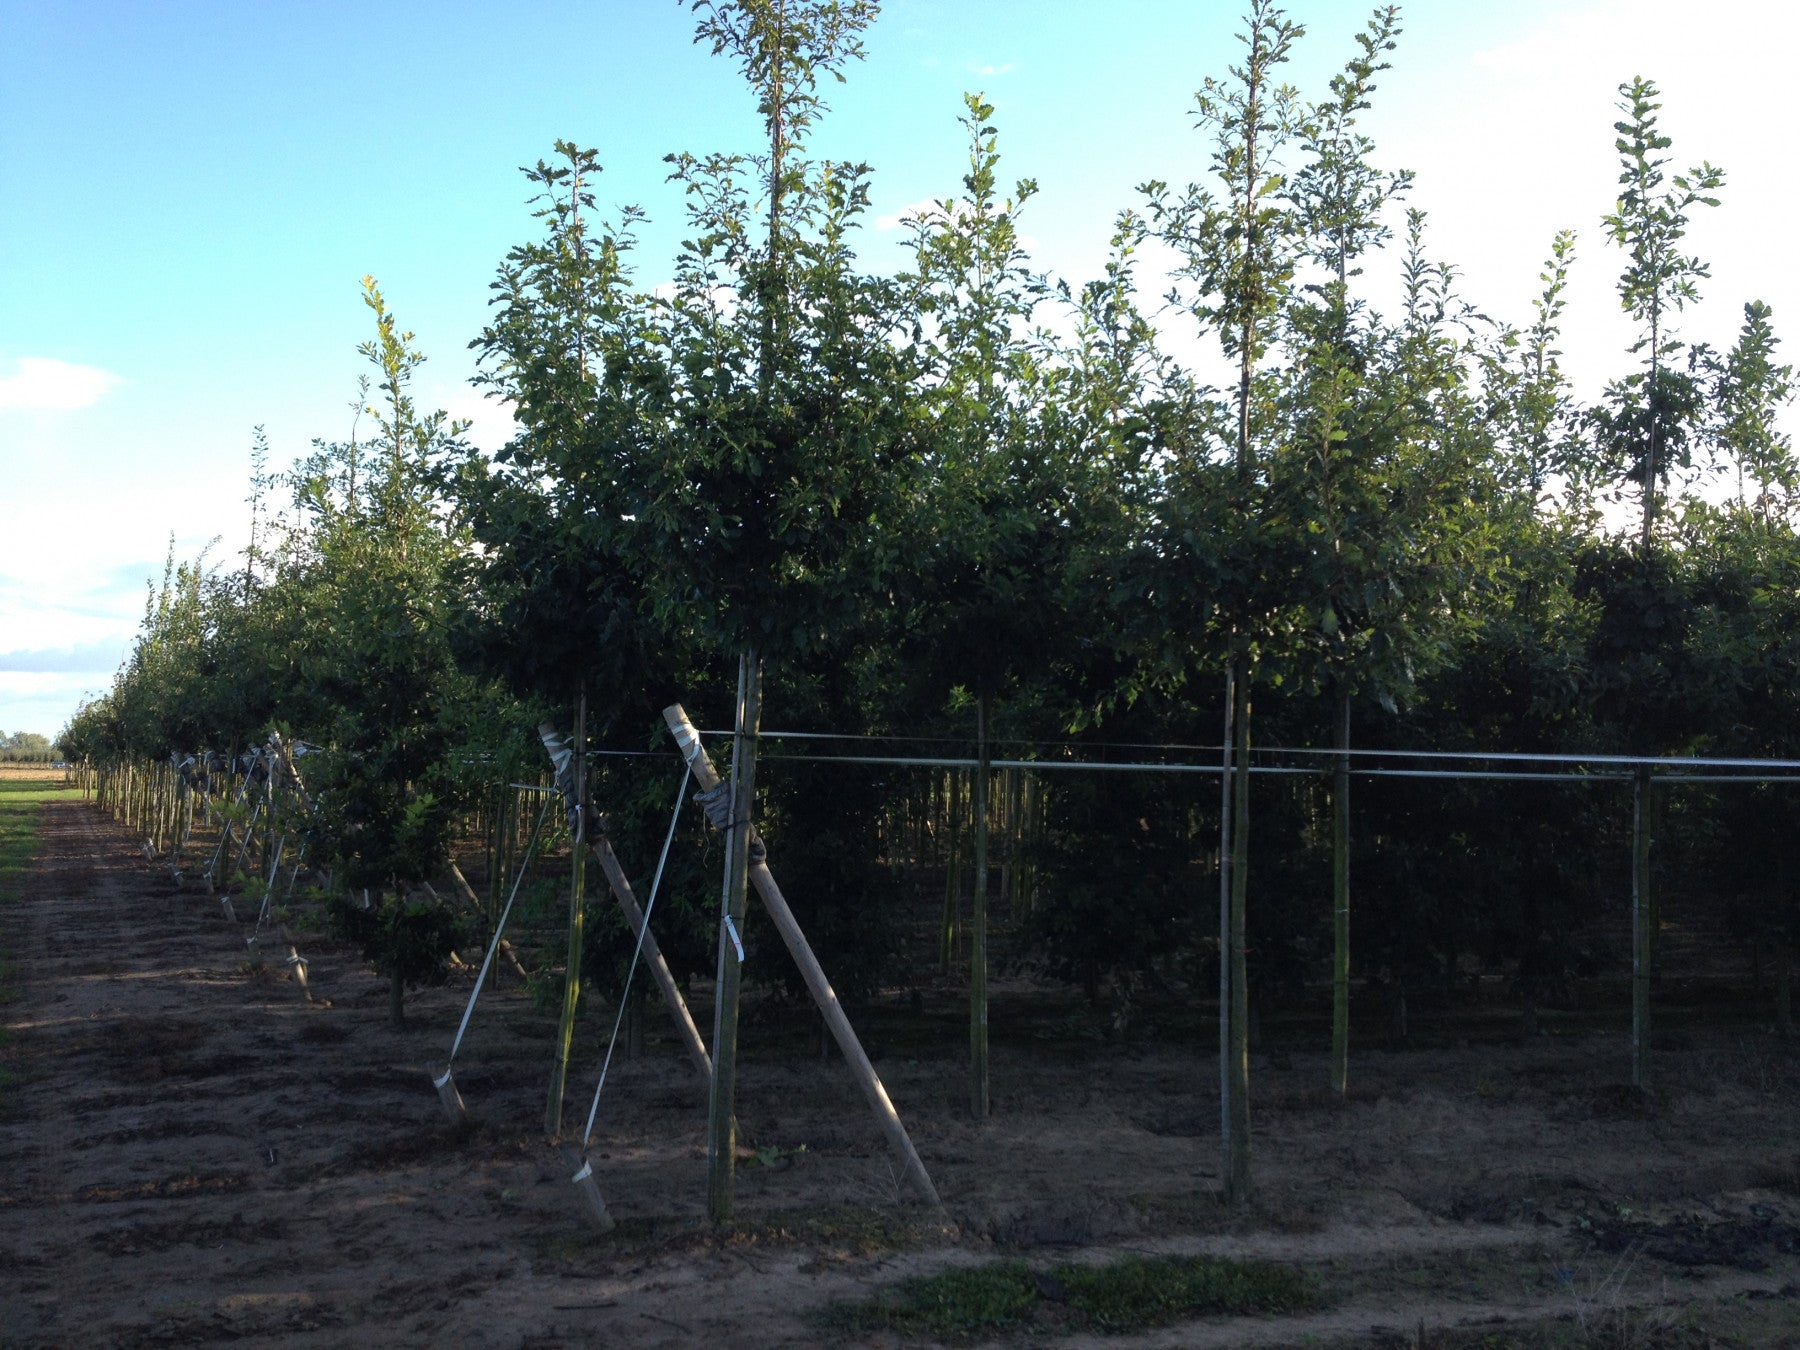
(1135, 1293)
(971, 484)
(407, 939)
(362, 589)
(1748, 390)
(1645, 428)
(961, 1305)
(1140, 1292)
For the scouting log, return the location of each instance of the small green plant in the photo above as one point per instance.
(961, 1305)
(1132, 1294)
(409, 940)
(1152, 1291)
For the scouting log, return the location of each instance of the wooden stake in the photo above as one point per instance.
(816, 983)
(685, 1029)
(474, 901)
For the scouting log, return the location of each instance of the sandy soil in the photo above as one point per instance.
(194, 1152)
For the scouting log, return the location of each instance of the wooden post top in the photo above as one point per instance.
(688, 740)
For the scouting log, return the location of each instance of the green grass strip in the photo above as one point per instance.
(1134, 1293)
(21, 809)
(1140, 1292)
(970, 1303)
(21, 805)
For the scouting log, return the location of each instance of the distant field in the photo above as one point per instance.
(31, 773)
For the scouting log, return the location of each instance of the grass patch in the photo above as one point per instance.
(971, 1303)
(21, 802)
(1139, 1292)
(1134, 1293)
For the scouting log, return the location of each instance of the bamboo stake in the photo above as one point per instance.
(1640, 928)
(1228, 740)
(1235, 1009)
(978, 959)
(1340, 901)
(952, 871)
(820, 987)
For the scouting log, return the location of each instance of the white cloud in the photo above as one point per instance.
(85, 658)
(990, 69)
(927, 208)
(491, 421)
(906, 215)
(43, 384)
(44, 702)
(1515, 142)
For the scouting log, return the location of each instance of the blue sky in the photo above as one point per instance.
(190, 191)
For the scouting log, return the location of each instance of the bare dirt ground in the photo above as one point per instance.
(195, 1153)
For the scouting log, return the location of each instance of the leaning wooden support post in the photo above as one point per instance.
(575, 794)
(685, 1029)
(823, 995)
(474, 902)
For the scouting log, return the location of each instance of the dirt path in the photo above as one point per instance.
(199, 1154)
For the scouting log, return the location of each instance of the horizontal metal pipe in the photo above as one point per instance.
(1537, 757)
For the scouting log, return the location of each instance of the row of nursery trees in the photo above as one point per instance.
(969, 502)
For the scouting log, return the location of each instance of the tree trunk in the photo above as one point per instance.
(816, 983)
(1641, 920)
(1237, 1014)
(565, 1034)
(1340, 899)
(978, 958)
(721, 1130)
(1228, 739)
(952, 873)
(1784, 989)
